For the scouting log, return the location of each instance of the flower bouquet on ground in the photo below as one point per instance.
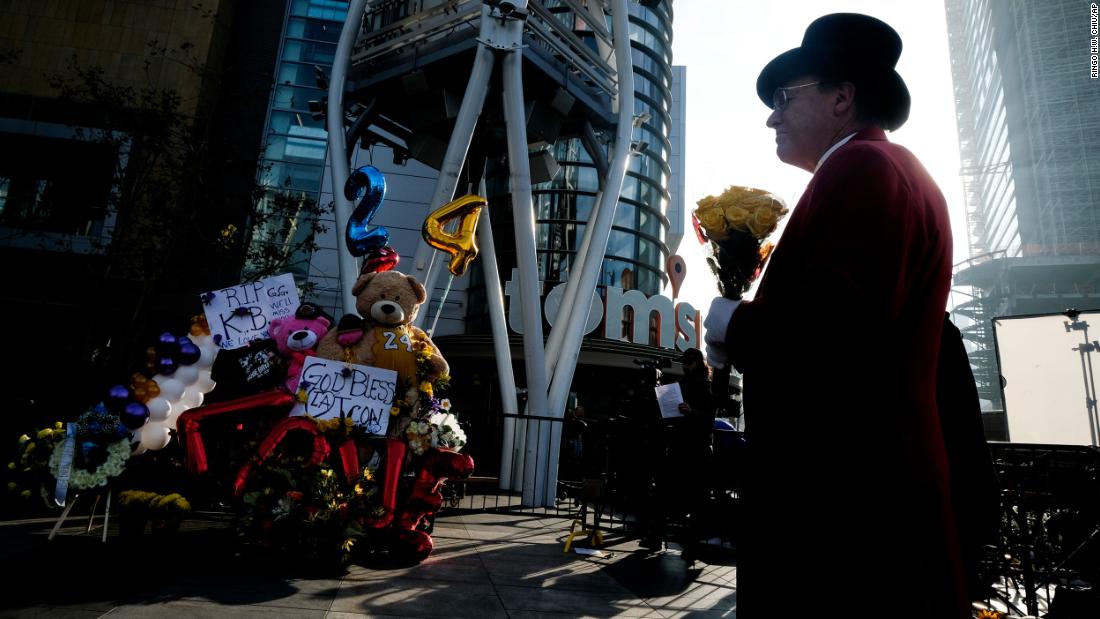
(305, 513)
(164, 511)
(28, 474)
(438, 428)
(735, 226)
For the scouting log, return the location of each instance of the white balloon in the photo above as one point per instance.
(191, 398)
(170, 423)
(206, 359)
(205, 384)
(186, 374)
(155, 436)
(170, 388)
(135, 442)
(159, 408)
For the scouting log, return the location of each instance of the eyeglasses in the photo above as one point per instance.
(780, 98)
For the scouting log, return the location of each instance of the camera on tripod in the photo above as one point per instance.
(654, 363)
(651, 370)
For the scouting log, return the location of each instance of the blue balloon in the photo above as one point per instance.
(167, 345)
(134, 415)
(368, 185)
(189, 353)
(117, 397)
(167, 365)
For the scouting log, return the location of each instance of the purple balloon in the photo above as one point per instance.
(117, 397)
(167, 365)
(167, 344)
(189, 353)
(134, 415)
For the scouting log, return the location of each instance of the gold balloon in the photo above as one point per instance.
(462, 244)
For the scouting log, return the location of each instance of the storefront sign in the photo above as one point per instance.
(677, 325)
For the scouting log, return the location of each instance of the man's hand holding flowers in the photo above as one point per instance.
(718, 319)
(736, 224)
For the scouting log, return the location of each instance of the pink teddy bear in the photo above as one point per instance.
(297, 337)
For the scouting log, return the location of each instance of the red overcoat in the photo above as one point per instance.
(846, 495)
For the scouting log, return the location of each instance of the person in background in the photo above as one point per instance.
(846, 504)
(684, 475)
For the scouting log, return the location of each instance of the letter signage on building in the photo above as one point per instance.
(677, 324)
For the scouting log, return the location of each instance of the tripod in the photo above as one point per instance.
(1085, 350)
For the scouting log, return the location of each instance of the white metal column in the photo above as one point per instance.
(337, 149)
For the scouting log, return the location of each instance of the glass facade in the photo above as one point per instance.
(637, 248)
(983, 124)
(293, 161)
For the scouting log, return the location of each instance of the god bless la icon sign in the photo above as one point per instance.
(359, 392)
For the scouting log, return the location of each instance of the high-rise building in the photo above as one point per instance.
(1028, 131)
(294, 148)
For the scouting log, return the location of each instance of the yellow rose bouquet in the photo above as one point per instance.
(737, 224)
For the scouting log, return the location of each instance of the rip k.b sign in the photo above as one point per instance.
(239, 314)
(360, 392)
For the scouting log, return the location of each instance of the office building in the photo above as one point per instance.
(1028, 131)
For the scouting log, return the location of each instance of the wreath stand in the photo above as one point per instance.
(91, 517)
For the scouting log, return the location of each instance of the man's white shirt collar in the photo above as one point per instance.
(833, 149)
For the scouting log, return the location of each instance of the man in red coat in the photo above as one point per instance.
(846, 493)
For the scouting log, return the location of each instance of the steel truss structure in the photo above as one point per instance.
(388, 54)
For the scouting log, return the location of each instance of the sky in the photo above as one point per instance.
(724, 44)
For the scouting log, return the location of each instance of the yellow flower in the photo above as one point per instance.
(11, 466)
(12, 486)
(764, 221)
(737, 216)
(713, 221)
(301, 396)
(57, 425)
(426, 388)
(989, 614)
(26, 494)
(394, 411)
(23, 439)
(30, 448)
(44, 433)
(368, 474)
(326, 473)
(740, 208)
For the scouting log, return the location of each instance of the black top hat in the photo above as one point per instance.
(849, 47)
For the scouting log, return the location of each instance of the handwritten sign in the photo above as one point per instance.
(239, 314)
(360, 392)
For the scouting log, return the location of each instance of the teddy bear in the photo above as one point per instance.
(297, 337)
(383, 336)
(388, 302)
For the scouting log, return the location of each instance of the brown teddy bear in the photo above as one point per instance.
(388, 302)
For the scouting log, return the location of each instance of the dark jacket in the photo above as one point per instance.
(846, 481)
